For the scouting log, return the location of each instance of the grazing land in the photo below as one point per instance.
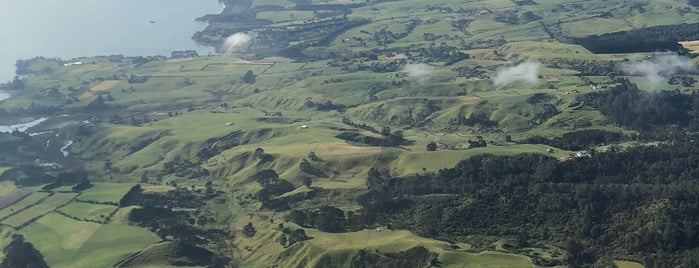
(368, 134)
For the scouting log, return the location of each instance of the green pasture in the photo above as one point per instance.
(342, 246)
(489, 259)
(628, 264)
(420, 161)
(87, 211)
(31, 199)
(105, 192)
(65, 242)
(38, 210)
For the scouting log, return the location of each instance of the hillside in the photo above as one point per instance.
(368, 134)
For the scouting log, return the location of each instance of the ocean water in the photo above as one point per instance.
(74, 28)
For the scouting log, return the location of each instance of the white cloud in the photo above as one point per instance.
(527, 71)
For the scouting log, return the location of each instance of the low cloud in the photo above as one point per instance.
(237, 42)
(657, 67)
(419, 71)
(527, 72)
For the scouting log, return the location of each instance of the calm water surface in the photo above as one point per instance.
(73, 28)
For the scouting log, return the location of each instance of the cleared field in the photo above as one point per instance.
(691, 45)
(104, 85)
(628, 264)
(147, 188)
(46, 206)
(382, 240)
(486, 259)
(87, 211)
(414, 162)
(65, 242)
(105, 192)
(27, 201)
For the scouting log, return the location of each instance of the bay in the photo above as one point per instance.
(75, 28)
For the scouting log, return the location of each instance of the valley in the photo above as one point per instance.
(367, 134)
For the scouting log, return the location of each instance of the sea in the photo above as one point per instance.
(73, 28)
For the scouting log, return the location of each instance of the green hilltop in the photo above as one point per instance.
(347, 133)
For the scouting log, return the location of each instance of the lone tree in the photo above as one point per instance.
(432, 146)
(249, 77)
(249, 230)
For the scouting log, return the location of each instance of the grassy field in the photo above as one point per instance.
(87, 211)
(343, 245)
(23, 203)
(38, 210)
(105, 192)
(65, 242)
(486, 259)
(628, 264)
(187, 104)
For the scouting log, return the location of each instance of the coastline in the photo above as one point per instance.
(207, 18)
(132, 37)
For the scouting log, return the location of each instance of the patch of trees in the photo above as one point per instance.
(262, 157)
(649, 113)
(380, 67)
(328, 105)
(684, 80)
(604, 202)
(249, 77)
(461, 25)
(585, 67)
(79, 178)
(479, 142)
(578, 140)
(385, 36)
(414, 257)
(27, 176)
(216, 145)
(20, 253)
(430, 147)
(138, 79)
(307, 168)
(468, 71)
(366, 127)
(524, 2)
(249, 230)
(290, 237)
(447, 54)
(650, 39)
(96, 105)
(479, 118)
(388, 139)
(272, 187)
(131, 197)
(177, 198)
(327, 219)
(160, 214)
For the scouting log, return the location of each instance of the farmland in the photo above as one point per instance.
(451, 134)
